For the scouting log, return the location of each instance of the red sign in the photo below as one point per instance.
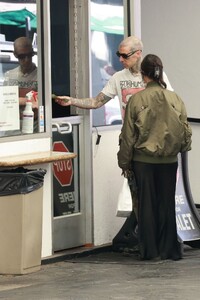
(63, 170)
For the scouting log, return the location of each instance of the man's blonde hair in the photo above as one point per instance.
(133, 42)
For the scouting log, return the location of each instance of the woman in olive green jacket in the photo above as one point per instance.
(155, 130)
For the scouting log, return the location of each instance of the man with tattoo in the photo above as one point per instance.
(123, 83)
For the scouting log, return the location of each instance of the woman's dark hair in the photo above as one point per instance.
(152, 67)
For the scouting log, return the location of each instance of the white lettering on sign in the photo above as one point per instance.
(178, 209)
(179, 199)
(63, 170)
(61, 166)
(66, 197)
(72, 205)
(184, 222)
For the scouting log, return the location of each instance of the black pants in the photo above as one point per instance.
(157, 231)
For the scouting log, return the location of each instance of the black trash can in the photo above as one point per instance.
(21, 202)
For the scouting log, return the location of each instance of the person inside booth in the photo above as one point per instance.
(24, 76)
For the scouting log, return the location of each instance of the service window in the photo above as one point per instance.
(21, 110)
(107, 31)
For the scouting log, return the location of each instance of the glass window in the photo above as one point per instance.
(21, 111)
(107, 31)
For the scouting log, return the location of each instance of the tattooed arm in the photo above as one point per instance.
(88, 103)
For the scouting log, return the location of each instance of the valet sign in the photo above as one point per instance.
(187, 224)
(63, 170)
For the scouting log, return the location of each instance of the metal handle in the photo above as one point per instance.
(61, 130)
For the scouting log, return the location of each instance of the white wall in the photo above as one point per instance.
(194, 163)
(107, 181)
(170, 30)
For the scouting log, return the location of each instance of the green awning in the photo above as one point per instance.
(18, 18)
(109, 25)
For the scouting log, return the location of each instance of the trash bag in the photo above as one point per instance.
(20, 181)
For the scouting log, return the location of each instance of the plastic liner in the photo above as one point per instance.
(20, 181)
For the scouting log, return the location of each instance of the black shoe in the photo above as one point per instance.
(131, 250)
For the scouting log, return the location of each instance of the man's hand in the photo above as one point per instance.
(63, 100)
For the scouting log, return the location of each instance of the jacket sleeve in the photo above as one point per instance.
(186, 144)
(127, 138)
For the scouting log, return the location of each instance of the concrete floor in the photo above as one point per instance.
(96, 275)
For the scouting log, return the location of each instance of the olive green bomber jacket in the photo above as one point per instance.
(155, 128)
